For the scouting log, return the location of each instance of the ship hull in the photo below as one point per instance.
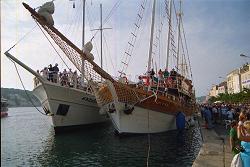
(68, 107)
(137, 111)
(141, 120)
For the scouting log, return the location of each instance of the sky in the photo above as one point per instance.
(217, 32)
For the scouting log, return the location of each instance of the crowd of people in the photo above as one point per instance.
(64, 78)
(165, 79)
(238, 117)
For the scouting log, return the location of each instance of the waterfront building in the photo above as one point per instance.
(214, 91)
(245, 76)
(234, 82)
(222, 87)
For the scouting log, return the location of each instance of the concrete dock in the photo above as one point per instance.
(215, 150)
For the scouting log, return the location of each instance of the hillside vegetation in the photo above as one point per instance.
(18, 98)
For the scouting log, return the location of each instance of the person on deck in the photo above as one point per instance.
(64, 78)
(50, 73)
(165, 73)
(140, 82)
(55, 74)
(74, 79)
(160, 76)
(70, 78)
(36, 81)
(152, 73)
(173, 74)
(45, 73)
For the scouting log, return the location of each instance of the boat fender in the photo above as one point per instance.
(111, 108)
(180, 121)
(128, 110)
(102, 111)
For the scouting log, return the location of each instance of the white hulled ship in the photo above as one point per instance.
(158, 103)
(68, 107)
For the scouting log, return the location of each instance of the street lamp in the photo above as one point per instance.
(242, 55)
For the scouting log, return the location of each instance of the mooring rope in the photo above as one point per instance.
(29, 98)
(148, 155)
(149, 148)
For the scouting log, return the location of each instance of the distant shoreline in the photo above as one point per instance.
(18, 98)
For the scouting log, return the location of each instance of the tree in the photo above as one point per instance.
(241, 97)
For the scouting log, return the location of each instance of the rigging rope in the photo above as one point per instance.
(21, 38)
(105, 41)
(112, 11)
(92, 27)
(52, 46)
(187, 50)
(29, 98)
(117, 4)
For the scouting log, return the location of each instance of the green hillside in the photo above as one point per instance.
(18, 98)
(200, 99)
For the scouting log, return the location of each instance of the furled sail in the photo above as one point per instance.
(46, 11)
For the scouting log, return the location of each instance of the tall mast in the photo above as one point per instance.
(151, 36)
(101, 29)
(83, 22)
(169, 31)
(83, 34)
(101, 33)
(179, 37)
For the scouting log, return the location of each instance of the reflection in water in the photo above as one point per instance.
(99, 146)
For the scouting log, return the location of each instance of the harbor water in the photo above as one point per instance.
(28, 139)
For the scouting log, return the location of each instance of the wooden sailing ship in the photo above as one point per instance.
(133, 108)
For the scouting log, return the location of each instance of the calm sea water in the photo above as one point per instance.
(27, 139)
